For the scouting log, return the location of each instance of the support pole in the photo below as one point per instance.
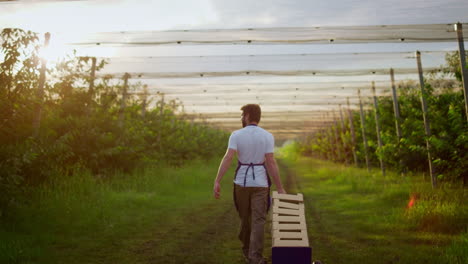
(342, 132)
(363, 129)
(335, 130)
(353, 133)
(161, 121)
(40, 90)
(145, 98)
(323, 138)
(341, 116)
(396, 111)
(92, 78)
(161, 109)
(123, 103)
(427, 128)
(331, 151)
(377, 127)
(464, 72)
(326, 138)
(191, 123)
(396, 108)
(173, 115)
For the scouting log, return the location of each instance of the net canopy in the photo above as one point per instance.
(293, 35)
(301, 78)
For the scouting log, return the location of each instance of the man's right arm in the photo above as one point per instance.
(273, 171)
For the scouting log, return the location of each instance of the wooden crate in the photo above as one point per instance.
(290, 243)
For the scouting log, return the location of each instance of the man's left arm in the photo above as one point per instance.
(223, 167)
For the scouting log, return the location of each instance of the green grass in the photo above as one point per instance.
(167, 215)
(156, 214)
(358, 217)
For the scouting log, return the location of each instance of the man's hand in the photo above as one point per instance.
(272, 168)
(223, 167)
(217, 190)
(281, 191)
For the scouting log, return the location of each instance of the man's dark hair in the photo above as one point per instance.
(254, 112)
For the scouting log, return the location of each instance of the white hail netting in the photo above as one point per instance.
(298, 91)
(297, 82)
(314, 35)
(343, 64)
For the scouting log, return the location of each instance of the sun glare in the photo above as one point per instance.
(60, 47)
(56, 49)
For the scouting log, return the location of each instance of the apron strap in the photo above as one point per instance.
(250, 165)
(239, 164)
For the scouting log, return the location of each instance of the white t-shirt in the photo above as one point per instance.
(252, 143)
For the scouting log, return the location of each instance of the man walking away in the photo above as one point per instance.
(254, 147)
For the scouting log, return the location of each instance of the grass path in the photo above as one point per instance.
(204, 235)
(313, 217)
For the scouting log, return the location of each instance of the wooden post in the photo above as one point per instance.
(464, 73)
(335, 132)
(40, 90)
(329, 138)
(161, 121)
(145, 98)
(173, 115)
(363, 129)
(123, 103)
(161, 109)
(377, 127)
(341, 116)
(92, 77)
(353, 133)
(427, 128)
(396, 108)
(342, 135)
(323, 137)
(191, 123)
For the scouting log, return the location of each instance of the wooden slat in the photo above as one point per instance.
(280, 218)
(290, 243)
(278, 226)
(289, 234)
(278, 210)
(290, 197)
(285, 204)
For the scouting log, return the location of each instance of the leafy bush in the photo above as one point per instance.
(82, 127)
(449, 129)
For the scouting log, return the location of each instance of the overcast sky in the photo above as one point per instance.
(115, 15)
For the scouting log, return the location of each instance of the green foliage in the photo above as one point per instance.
(82, 127)
(449, 129)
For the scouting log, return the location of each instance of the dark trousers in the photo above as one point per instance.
(252, 204)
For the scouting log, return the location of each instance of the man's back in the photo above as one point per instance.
(252, 143)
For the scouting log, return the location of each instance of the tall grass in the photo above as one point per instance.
(84, 217)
